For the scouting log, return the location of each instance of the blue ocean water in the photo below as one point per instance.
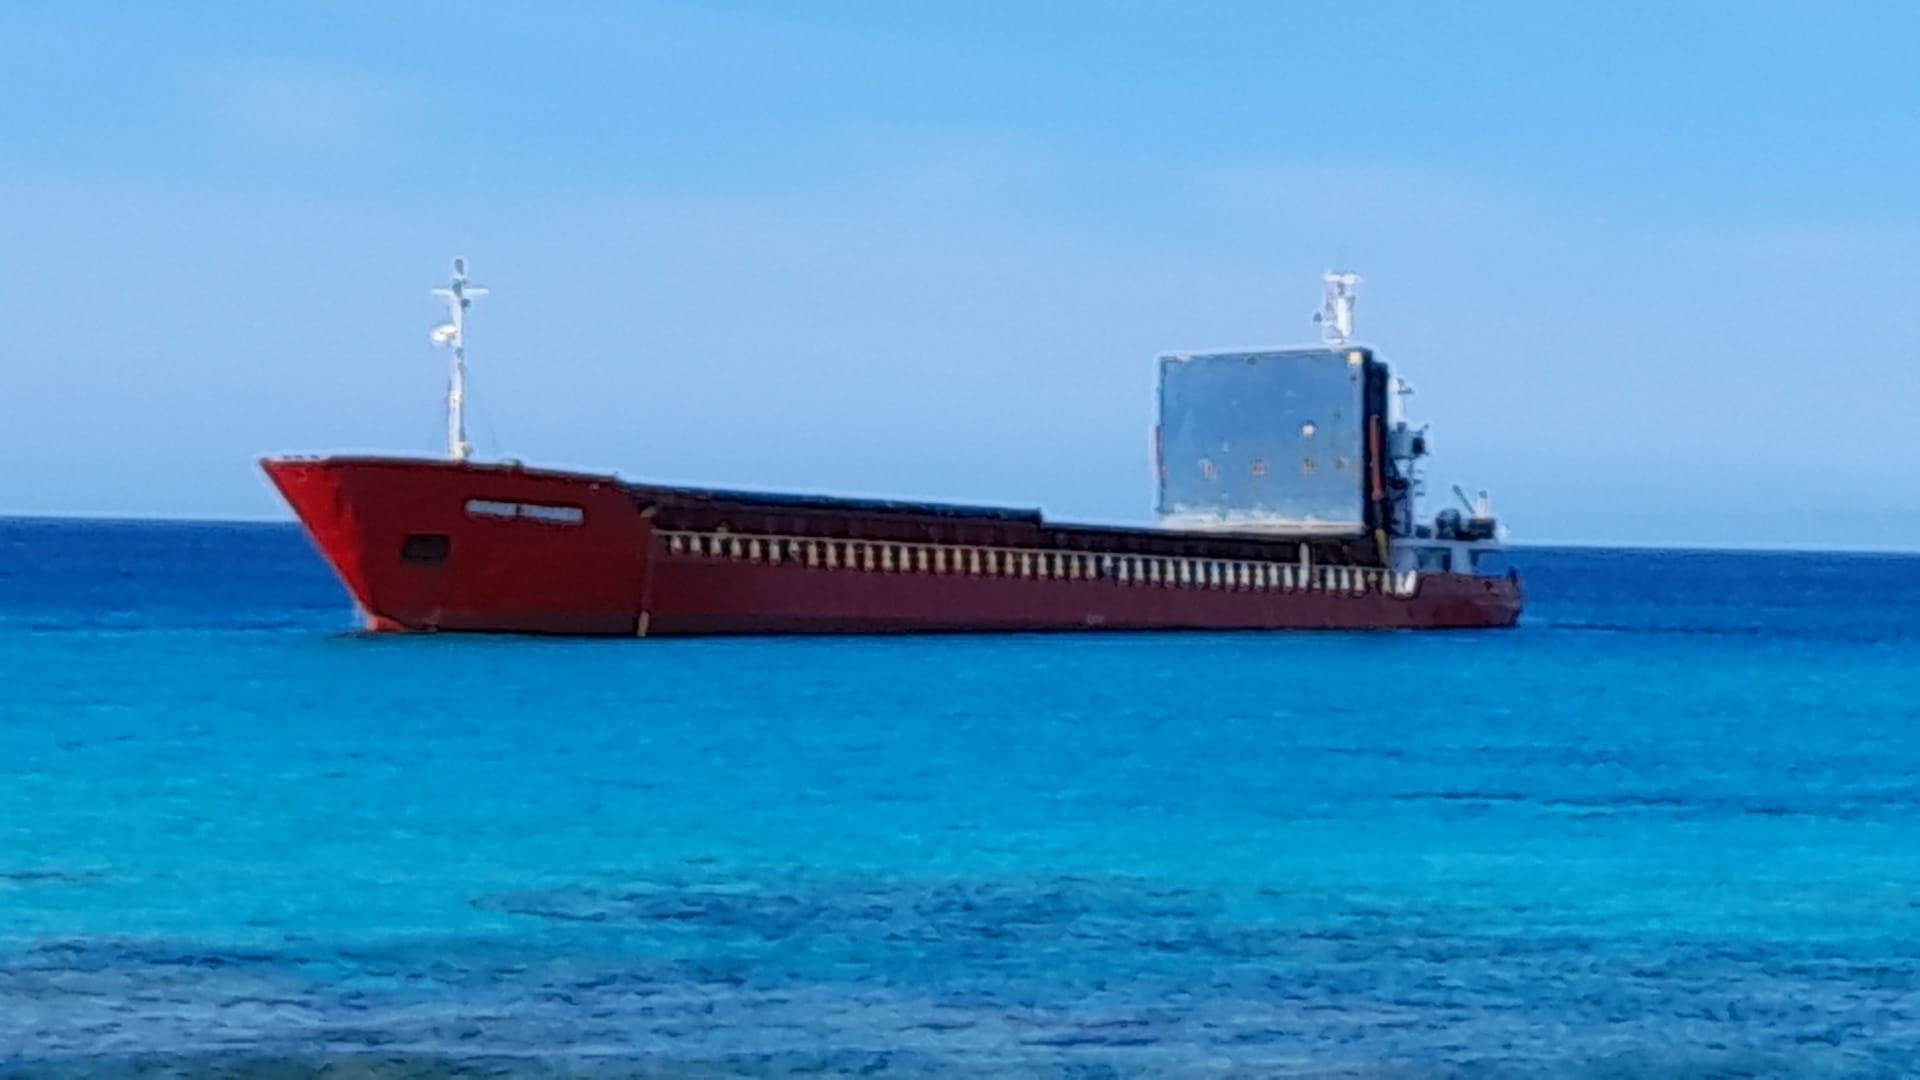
(1668, 826)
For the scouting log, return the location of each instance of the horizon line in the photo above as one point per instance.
(1544, 545)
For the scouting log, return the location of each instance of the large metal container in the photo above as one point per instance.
(1270, 441)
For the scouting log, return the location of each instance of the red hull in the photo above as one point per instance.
(425, 545)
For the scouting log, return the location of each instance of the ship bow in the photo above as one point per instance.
(428, 545)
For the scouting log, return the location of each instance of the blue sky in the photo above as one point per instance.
(1651, 268)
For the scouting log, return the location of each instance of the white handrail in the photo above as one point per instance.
(987, 560)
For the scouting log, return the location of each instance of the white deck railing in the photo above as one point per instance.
(987, 561)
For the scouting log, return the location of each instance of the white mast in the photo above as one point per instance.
(459, 295)
(1336, 307)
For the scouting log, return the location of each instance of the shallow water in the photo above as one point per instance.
(1670, 825)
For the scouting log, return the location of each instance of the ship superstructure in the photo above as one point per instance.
(1287, 488)
(1306, 442)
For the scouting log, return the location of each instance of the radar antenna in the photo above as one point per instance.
(1335, 317)
(459, 294)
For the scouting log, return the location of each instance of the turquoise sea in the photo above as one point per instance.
(1669, 826)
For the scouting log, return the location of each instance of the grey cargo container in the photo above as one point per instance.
(1271, 441)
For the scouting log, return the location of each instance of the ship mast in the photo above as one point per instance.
(1335, 317)
(459, 294)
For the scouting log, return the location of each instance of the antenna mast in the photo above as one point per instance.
(459, 295)
(1335, 317)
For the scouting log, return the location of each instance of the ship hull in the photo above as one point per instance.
(441, 546)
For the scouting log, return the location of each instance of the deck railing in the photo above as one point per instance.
(987, 561)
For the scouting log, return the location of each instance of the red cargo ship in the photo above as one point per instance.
(457, 545)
